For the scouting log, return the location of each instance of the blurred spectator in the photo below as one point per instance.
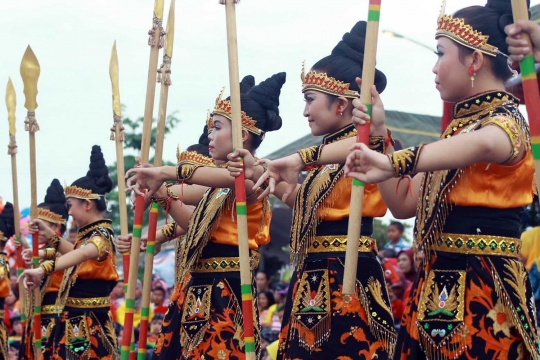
(73, 233)
(405, 264)
(530, 247)
(117, 298)
(396, 242)
(280, 295)
(119, 331)
(17, 329)
(396, 285)
(155, 328)
(262, 281)
(534, 276)
(267, 307)
(121, 312)
(10, 310)
(157, 298)
(13, 351)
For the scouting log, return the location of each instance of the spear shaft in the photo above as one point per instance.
(240, 187)
(30, 71)
(11, 103)
(164, 78)
(357, 192)
(530, 88)
(155, 42)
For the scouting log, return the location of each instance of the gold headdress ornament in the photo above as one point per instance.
(223, 108)
(50, 216)
(456, 29)
(322, 82)
(194, 158)
(79, 193)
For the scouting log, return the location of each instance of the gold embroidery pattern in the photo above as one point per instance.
(77, 336)
(50, 309)
(404, 161)
(195, 316)
(376, 143)
(106, 224)
(335, 243)
(102, 246)
(441, 311)
(169, 230)
(185, 171)
(477, 245)
(515, 279)
(512, 130)
(4, 266)
(224, 264)
(374, 287)
(83, 303)
(311, 154)
(49, 254)
(46, 328)
(311, 308)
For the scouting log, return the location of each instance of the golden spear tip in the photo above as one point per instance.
(158, 8)
(11, 104)
(114, 75)
(170, 30)
(30, 71)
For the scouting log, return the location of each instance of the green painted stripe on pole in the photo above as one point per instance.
(155, 206)
(369, 109)
(241, 209)
(357, 183)
(137, 231)
(145, 311)
(150, 248)
(130, 303)
(37, 309)
(374, 15)
(124, 354)
(250, 347)
(527, 66)
(245, 289)
(536, 151)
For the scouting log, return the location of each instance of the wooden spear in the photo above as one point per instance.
(11, 104)
(240, 184)
(155, 41)
(357, 193)
(117, 135)
(165, 79)
(30, 71)
(530, 88)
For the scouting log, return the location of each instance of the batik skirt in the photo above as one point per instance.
(49, 317)
(469, 307)
(319, 323)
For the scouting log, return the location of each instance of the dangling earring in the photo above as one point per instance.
(473, 74)
(339, 112)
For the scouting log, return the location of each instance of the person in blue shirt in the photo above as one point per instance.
(397, 242)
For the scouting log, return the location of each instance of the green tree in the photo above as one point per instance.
(132, 144)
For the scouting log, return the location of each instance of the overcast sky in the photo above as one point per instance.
(72, 41)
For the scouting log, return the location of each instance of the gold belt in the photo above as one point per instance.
(50, 309)
(96, 302)
(338, 243)
(224, 264)
(477, 245)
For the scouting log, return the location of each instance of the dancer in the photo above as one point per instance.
(84, 329)
(319, 322)
(211, 321)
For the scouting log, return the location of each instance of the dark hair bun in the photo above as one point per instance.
(347, 59)
(7, 218)
(55, 200)
(504, 8)
(246, 84)
(203, 139)
(266, 94)
(97, 178)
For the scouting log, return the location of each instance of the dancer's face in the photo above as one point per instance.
(452, 77)
(220, 138)
(321, 113)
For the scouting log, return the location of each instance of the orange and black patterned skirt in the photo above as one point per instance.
(49, 317)
(319, 324)
(466, 306)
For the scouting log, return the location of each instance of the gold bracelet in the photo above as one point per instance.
(169, 231)
(404, 161)
(54, 242)
(377, 143)
(48, 266)
(164, 201)
(49, 254)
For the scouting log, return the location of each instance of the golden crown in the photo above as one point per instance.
(80, 193)
(456, 29)
(224, 108)
(193, 157)
(50, 216)
(322, 82)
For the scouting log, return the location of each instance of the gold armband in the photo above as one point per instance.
(169, 230)
(377, 143)
(311, 155)
(165, 201)
(185, 171)
(404, 161)
(49, 253)
(48, 266)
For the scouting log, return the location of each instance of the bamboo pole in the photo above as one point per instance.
(164, 78)
(530, 88)
(240, 187)
(117, 135)
(357, 193)
(11, 104)
(155, 42)
(30, 71)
